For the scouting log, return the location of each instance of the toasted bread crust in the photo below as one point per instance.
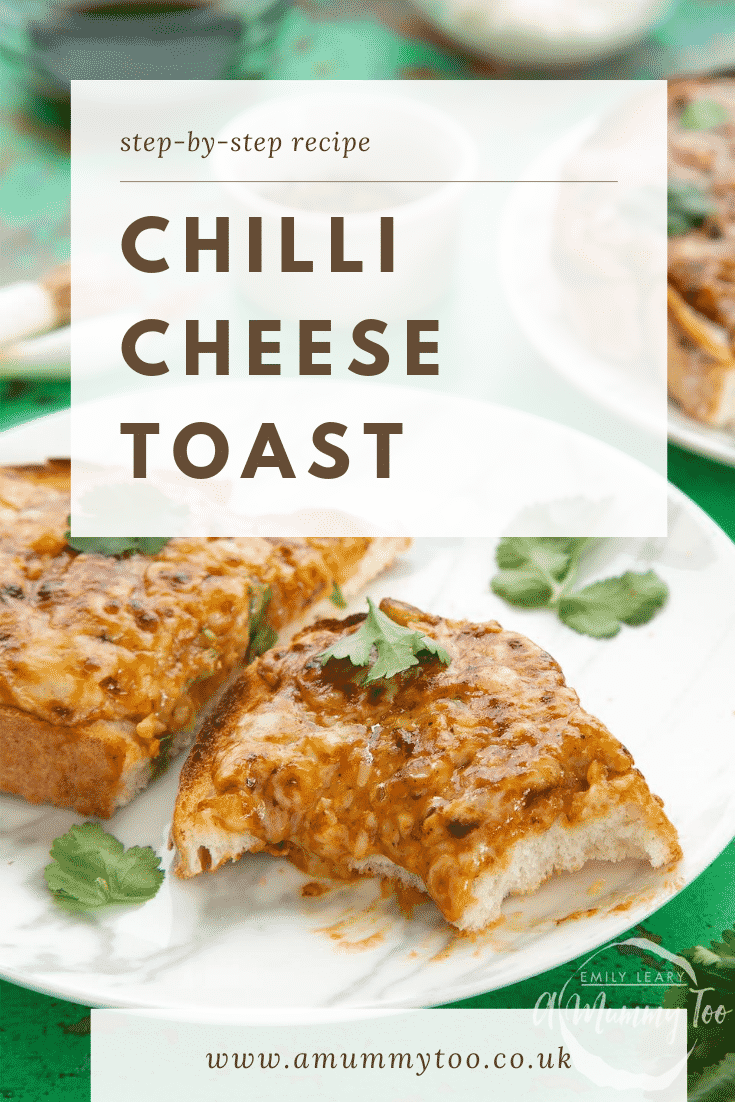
(67, 766)
(443, 775)
(102, 658)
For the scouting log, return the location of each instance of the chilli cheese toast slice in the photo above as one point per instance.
(468, 781)
(701, 248)
(105, 663)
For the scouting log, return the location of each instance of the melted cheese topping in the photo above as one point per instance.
(141, 640)
(440, 769)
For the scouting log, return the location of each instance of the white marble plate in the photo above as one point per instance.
(718, 444)
(248, 937)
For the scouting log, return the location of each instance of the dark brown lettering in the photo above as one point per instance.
(386, 244)
(379, 354)
(129, 341)
(383, 433)
(337, 241)
(220, 347)
(340, 457)
(415, 346)
(307, 347)
(130, 242)
(255, 244)
(267, 437)
(139, 433)
(181, 450)
(288, 263)
(257, 346)
(219, 244)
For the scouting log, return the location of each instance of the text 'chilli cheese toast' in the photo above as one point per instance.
(469, 780)
(105, 662)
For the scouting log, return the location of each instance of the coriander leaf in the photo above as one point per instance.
(540, 572)
(687, 207)
(91, 869)
(641, 597)
(138, 875)
(589, 615)
(524, 587)
(725, 949)
(387, 647)
(703, 114)
(550, 556)
(534, 570)
(262, 635)
(112, 546)
(600, 609)
(262, 640)
(337, 598)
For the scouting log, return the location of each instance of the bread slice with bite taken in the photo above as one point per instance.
(469, 780)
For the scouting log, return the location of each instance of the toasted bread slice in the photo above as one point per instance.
(105, 663)
(701, 367)
(469, 780)
(701, 260)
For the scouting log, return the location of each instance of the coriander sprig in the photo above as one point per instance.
(704, 114)
(337, 597)
(91, 869)
(540, 572)
(114, 546)
(262, 635)
(386, 647)
(688, 207)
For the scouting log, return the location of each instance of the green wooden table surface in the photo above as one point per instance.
(45, 1041)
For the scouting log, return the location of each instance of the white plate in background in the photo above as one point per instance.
(532, 286)
(246, 937)
(718, 444)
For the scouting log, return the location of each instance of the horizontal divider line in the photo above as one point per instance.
(369, 181)
(640, 984)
